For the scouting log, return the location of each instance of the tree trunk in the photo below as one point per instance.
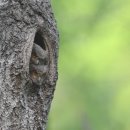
(28, 63)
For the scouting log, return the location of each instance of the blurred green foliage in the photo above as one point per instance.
(93, 89)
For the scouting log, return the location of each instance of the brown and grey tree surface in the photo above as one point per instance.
(28, 63)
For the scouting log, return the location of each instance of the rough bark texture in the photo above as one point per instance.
(25, 103)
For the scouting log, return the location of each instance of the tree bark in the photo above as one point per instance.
(25, 93)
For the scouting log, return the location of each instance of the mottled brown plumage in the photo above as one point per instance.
(38, 64)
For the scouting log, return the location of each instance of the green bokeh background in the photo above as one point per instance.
(93, 90)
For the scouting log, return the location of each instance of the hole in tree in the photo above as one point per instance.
(39, 40)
